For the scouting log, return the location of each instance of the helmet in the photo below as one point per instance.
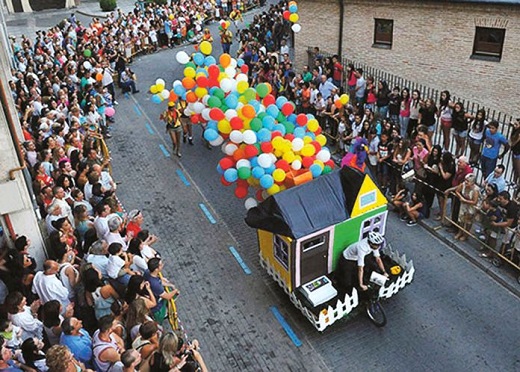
(375, 238)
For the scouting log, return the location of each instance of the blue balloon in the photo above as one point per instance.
(263, 135)
(231, 175)
(293, 8)
(198, 58)
(212, 124)
(210, 134)
(312, 135)
(179, 90)
(268, 122)
(272, 110)
(240, 62)
(310, 116)
(255, 104)
(254, 161)
(280, 128)
(258, 172)
(315, 170)
(156, 99)
(203, 71)
(280, 101)
(220, 170)
(231, 101)
(270, 169)
(209, 60)
(299, 132)
(292, 118)
(266, 181)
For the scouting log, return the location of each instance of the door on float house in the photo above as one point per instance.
(314, 257)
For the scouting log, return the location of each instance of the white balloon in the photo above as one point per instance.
(296, 27)
(250, 203)
(176, 82)
(182, 57)
(230, 148)
(297, 144)
(187, 111)
(264, 160)
(230, 72)
(249, 137)
(323, 155)
(198, 107)
(236, 136)
(241, 77)
(239, 106)
(243, 163)
(87, 65)
(230, 114)
(296, 164)
(165, 94)
(226, 85)
(205, 99)
(160, 82)
(217, 142)
(273, 158)
(205, 114)
(233, 62)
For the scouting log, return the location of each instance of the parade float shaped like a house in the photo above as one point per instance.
(302, 232)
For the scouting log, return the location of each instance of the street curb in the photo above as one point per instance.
(478, 263)
(91, 14)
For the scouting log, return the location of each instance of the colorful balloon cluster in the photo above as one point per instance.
(266, 143)
(291, 15)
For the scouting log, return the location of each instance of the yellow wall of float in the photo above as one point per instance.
(369, 197)
(265, 241)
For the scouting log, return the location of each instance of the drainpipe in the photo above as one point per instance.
(341, 22)
(10, 227)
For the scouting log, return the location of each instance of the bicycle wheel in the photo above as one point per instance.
(376, 313)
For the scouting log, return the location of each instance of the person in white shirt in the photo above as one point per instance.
(352, 260)
(47, 285)
(97, 256)
(115, 225)
(24, 316)
(101, 221)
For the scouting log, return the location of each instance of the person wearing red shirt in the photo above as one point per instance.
(337, 71)
(136, 219)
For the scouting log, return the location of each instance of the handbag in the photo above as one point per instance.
(407, 171)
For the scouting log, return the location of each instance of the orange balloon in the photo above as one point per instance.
(225, 60)
(173, 96)
(239, 154)
(99, 76)
(188, 83)
(338, 103)
(191, 97)
(248, 111)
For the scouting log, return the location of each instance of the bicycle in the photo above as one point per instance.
(373, 307)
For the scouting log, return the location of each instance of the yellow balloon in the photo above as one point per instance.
(228, 23)
(242, 99)
(277, 142)
(278, 153)
(321, 139)
(307, 139)
(344, 98)
(320, 163)
(286, 146)
(189, 72)
(205, 47)
(224, 126)
(247, 123)
(200, 92)
(294, 18)
(279, 175)
(308, 150)
(242, 86)
(313, 125)
(289, 156)
(160, 87)
(154, 89)
(171, 16)
(273, 189)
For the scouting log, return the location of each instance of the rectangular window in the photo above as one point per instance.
(383, 32)
(314, 243)
(488, 43)
(375, 223)
(281, 251)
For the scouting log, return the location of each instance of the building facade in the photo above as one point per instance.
(470, 48)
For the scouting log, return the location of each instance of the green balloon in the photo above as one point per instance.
(289, 127)
(87, 53)
(219, 93)
(244, 173)
(261, 115)
(214, 102)
(281, 117)
(256, 124)
(262, 90)
(327, 169)
(250, 94)
(190, 64)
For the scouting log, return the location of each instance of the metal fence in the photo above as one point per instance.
(504, 120)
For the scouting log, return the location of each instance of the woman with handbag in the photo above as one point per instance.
(174, 127)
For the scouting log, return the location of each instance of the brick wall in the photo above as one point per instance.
(432, 44)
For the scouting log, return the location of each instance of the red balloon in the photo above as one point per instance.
(286, 15)
(307, 161)
(318, 131)
(242, 183)
(276, 133)
(251, 151)
(269, 100)
(236, 123)
(259, 195)
(216, 114)
(289, 136)
(213, 82)
(316, 145)
(224, 182)
(202, 81)
(226, 163)
(330, 163)
(244, 68)
(266, 147)
(213, 72)
(241, 192)
(283, 165)
(195, 119)
(287, 108)
(301, 119)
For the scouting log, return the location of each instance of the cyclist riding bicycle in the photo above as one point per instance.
(352, 260)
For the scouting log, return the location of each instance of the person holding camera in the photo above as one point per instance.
(176, 355)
